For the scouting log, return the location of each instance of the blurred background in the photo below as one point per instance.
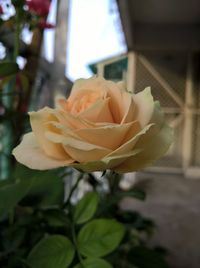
(145, 43)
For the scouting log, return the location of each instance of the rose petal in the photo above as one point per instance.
(71, 121)
(65, 131)
(29, 153)
(152, 146)
(144, 106)
(99, 84)
(98, 112)
(115, 94)
(158, 115)
(94, 83)
(129, 107)
(105, 163)
(38, 123)
(130, 144)
(109, 136)
(79, 150)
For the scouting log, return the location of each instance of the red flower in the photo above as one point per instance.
(39, 7)
(1, 10)
(45, 25)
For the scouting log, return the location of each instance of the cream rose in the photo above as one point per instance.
(100, 126)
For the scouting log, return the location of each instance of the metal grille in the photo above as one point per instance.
(173, 69)
(176, 79)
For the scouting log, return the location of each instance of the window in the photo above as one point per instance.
(94, 33)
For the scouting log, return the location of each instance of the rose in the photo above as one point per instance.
(100, 126)
(39, 7)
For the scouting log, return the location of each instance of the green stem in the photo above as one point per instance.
(17, 36)
(8, 100)
(114, 179)
(67, 202)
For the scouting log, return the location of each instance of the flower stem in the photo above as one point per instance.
(114, 179)
(66, 203)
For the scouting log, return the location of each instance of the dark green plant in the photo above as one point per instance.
(39, 229)
(14, 83)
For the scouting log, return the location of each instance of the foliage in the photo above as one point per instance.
(16, 81)
(39, 229)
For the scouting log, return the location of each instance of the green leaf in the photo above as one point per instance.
(12, 237)
(86, 208)
(11, 194)
(43, 188)
(144, 257)
(47, 187)
(8, 68)
(100, 237)
(56, 217)
(53, 251)
(94, 263)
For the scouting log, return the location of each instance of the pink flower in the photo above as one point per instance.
(39, 7)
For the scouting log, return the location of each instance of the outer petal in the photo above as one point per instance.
(29, 153)
(105, 163)
(152, 146)
(144, 106)
(39, 122)
(130, 144)
(158, 115)
(79, 150)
